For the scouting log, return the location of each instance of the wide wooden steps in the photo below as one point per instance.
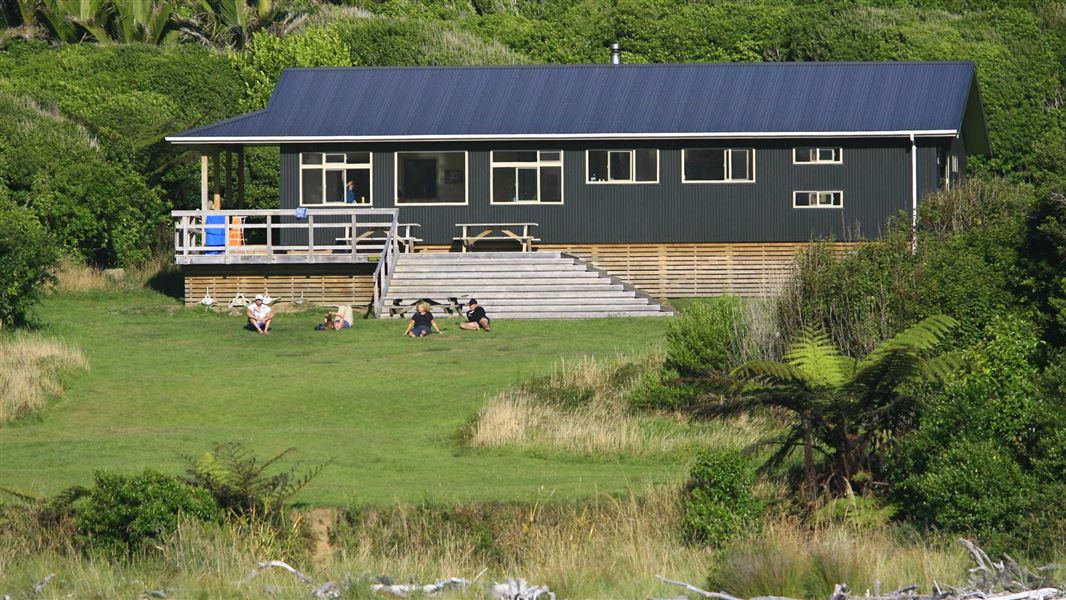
(515, 285)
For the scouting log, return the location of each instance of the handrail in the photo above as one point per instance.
(330, 233)
(386, 266)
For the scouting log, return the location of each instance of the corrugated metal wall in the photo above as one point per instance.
(875, 177)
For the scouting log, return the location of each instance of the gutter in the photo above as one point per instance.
(561, 137)
(914, 195)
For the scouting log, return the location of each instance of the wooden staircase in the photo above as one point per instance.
(516, 285)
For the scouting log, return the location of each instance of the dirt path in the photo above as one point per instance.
(322, 521)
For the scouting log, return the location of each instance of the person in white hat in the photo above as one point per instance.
(260, 315)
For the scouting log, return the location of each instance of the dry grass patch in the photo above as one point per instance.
(789, 558)
(605, 547)
(74, 276)
(581, 408)
(31, 371)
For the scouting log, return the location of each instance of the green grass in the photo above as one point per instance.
(166, 381)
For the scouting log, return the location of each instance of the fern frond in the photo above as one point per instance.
(920, 337)
(771, 372)
(943, 367)
(820, 362)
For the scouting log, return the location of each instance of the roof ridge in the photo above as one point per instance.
(763, 64)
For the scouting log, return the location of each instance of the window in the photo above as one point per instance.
(431, 178)
(718, 165)
(817, 199)
(818, 156)
(622, 166)
(527, 176)
(324, 178)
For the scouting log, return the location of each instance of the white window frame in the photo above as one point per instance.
(817, 149)
(728, 167)
(345, 166)
(528, 165)
(818, 206)
(396, 178)
(632, 167)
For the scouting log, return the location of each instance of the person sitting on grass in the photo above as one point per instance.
(259, 315)
(421, 322)
(475, 318)
(336, 321)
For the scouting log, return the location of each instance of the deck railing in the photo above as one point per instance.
(313, 235)
(387, 264)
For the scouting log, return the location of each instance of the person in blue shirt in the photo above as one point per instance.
(349, 195)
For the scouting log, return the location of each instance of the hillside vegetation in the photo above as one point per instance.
(890, 400)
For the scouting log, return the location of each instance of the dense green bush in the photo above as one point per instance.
(968, 265)
(718, 497)
(987, 446)
(27, 258)
(704, 338)
(121, 514)
(259, 65)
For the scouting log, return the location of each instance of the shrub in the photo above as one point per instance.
(259, 65)
(704, 338)
(27, 260)
(1006, 450)
(973, 487)
(718, 498)
(124, 513)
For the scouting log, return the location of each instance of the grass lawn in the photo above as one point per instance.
(167, 381)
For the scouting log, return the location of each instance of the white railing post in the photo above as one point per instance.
(310, 234)
(353, 236)
(270, 234)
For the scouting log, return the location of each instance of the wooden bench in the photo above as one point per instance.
(472, 233)
(378, 233)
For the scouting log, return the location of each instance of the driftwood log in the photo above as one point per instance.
(989, 580)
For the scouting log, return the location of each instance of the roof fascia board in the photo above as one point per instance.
(562, 136)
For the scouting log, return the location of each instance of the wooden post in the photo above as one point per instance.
(354, 242)
(204, 183)
(217, 204)
(310, 236)
(229, 177)
(270, 235)
(240, 178)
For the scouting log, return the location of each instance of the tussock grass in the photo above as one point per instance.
(790, 558)
(581, 409)
(604, 547)
(76, 276)
(31, 371)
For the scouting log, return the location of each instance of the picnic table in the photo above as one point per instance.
(378, 232)
(472, 233)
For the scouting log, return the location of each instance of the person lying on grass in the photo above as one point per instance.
(475, 318)
(421, 321)
(337, 321)
(259, 315)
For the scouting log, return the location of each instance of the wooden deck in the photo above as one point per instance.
(254, 237)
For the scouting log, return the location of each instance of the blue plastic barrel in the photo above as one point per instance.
(214, 236)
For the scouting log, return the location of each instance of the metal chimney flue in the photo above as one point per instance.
(616, 54)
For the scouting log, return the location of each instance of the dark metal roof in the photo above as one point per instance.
(609, 101)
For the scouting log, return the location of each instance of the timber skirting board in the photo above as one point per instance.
(322, 289)
(696, 269)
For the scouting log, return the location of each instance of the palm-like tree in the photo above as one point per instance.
(145, 21)
(72, 21)
(843, 408)
(231, 22)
